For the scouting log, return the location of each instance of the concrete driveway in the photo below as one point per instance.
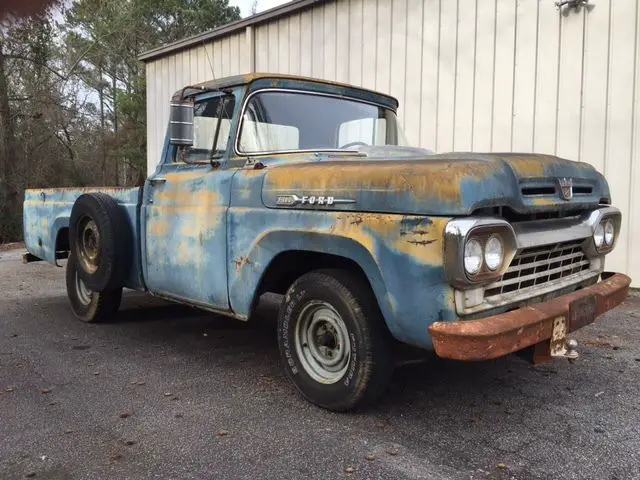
(171, 392)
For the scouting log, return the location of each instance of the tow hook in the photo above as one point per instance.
(568, 349)
(571, 350)
(560, 345)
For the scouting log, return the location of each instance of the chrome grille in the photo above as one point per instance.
(540, 265)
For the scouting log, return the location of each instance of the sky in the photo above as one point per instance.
(245, 5)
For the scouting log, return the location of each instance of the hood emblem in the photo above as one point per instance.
(566, 188)
(321, 200)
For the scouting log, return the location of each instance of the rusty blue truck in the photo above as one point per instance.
(305, 188)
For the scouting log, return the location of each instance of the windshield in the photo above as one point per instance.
(290, 121)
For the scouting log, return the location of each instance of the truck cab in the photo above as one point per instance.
(306, 188)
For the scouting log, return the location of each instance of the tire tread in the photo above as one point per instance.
(359, 297)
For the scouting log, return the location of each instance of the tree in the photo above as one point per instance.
(72, 94)
(109, 36)
(30, 98)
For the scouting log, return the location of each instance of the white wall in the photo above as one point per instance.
(481, 75)
(221, 58)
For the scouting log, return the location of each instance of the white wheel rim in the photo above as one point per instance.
(84, 294)
(322, 342)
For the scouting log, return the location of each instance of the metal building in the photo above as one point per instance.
(471, 75)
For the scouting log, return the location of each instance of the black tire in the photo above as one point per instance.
(369, 363)
(100, 239)
(89, 306)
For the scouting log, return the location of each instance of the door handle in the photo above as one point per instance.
(157, 180)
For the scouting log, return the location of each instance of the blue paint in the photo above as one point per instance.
(207, 235)
(46, 212)
(406, 186)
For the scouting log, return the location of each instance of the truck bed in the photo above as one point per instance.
(46, 222)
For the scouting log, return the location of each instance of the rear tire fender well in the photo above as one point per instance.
(245, 286)
(59, 227)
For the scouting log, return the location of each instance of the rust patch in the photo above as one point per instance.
(421, 242)
(510, 332)
(369, 229)
(241, 262)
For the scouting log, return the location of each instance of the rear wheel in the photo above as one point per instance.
(333, 340)
(100, 239)
(87, 305)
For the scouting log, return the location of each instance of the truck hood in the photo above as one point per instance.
(411, 181)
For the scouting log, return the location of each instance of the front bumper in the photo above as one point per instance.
(512, 331)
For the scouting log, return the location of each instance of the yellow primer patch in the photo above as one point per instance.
(543, 202)
(529, 166)
(439, 180)
(535, 166)
(186, 216)
(177, 178)
(159, 227)
(422, 242)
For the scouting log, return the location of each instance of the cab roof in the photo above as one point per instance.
(278, 80)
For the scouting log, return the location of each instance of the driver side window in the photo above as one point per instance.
(211, 128)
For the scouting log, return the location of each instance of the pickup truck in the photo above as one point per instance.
(304, 188)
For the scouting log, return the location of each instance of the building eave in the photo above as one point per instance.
(228, 29)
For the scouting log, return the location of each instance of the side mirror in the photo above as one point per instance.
(181, 123)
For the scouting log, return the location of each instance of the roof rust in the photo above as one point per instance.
(246, 78)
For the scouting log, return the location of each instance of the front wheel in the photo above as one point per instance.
(333, 340)
(87, 305)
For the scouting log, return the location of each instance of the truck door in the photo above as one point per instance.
(184, 211)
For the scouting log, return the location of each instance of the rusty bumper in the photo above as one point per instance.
(510, 332)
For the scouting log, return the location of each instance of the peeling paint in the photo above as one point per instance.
(206, 236)
(185, 234)
(448, 184)
(47, 211)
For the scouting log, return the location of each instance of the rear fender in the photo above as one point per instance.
(41, 231)
(47, 211)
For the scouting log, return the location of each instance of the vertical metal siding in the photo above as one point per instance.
(223, 57)
(479, 75)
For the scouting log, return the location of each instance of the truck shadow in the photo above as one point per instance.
(493, 395)
(421, 379)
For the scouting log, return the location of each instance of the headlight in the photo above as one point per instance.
(609, 233)
(598, 236)
(472, 256)
(494, 253)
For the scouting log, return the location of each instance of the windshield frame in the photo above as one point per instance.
(236, 143)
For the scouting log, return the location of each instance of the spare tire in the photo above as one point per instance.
(100, 240)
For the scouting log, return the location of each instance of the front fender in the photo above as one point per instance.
(250, 269)
(400, 255)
